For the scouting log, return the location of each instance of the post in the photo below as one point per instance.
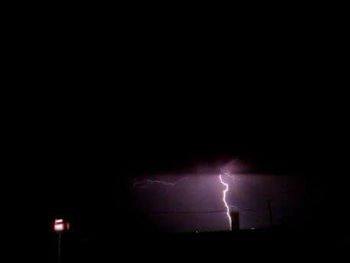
(59, 247)
(234, 220)
(59, 226)
(270, 211)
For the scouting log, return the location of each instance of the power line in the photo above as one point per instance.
(188, 212)
(202, 212)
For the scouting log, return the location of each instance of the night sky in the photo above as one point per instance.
(131, 104)
(193, 202)
(100, 156)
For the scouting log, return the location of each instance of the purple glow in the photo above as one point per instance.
(203, 201)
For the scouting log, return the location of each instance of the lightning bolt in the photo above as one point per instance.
(226, 189)
(145, 183)
(150, 181)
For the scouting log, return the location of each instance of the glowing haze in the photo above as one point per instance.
(201, 201)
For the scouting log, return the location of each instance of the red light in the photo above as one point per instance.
(60, 225)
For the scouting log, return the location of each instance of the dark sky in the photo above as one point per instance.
(126, 100)
(116, 116)
(97, 152)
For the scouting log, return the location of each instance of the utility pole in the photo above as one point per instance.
(59, 247)
(234, 220)
(59, 226)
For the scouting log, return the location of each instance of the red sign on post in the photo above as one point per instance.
(60, 225)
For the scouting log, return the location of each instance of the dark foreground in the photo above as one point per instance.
(276, 245)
